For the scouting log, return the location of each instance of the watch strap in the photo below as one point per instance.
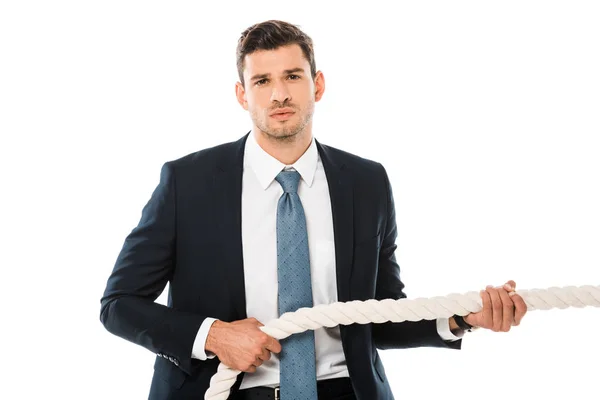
(462, 324)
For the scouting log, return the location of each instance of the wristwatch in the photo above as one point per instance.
(462, 324)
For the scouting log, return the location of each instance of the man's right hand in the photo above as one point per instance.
(241, 345)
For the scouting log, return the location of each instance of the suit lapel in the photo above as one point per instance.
(228, 185)
(342, 205)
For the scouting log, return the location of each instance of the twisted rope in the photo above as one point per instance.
(374, 311)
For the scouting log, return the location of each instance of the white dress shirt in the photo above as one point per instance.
(260, 195)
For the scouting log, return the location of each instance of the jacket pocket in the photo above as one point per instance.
(364, 241)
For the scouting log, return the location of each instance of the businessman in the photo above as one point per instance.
(272, 222)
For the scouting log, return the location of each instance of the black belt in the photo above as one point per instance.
(326, 389)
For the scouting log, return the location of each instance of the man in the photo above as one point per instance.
(248, 230)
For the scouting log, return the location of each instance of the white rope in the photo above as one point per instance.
(374, 311)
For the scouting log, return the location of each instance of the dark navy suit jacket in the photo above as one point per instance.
(190, 235)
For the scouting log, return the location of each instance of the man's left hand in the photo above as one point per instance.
(502, 309)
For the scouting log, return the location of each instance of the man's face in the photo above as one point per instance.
(276, 80)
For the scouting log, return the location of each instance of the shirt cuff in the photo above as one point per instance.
(198, 350)
(443, 328)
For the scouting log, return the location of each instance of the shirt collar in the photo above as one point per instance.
(266, 167)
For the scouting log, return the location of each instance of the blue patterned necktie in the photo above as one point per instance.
(298, 377)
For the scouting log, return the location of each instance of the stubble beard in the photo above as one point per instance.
(284, 133)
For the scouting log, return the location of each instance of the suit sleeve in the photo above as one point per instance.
(142, 269)
(407, 334)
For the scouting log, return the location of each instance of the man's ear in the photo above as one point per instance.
(319, 85)
(240, 94)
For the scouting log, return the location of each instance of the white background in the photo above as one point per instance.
(485, 114)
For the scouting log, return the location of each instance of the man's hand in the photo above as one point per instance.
(241, 345)
(502, 309)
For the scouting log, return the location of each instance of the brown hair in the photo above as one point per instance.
(270, 35)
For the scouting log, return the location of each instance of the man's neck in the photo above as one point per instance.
(285, 151)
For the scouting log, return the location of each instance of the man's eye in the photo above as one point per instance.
(260, 82)
(296, 76)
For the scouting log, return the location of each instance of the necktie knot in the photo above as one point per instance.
(289, 181)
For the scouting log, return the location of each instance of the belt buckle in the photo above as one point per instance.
(277, 393)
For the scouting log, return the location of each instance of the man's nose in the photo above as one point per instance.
(280, 93)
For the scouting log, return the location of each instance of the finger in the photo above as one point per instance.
(520, 308)
(508, 310)
(251, 369)
(273, 346)
(512, 286)
(487, 309)
(257, 362)
(496, 308)
(265, 355)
